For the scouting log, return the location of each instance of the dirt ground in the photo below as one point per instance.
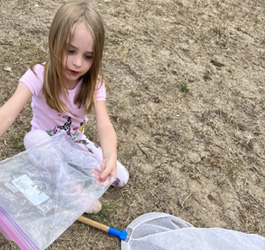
(187, 103)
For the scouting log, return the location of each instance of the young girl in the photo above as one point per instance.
(67, 86)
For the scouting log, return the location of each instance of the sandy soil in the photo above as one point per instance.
(187, 104)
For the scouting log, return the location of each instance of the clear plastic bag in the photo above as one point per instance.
(44, 190)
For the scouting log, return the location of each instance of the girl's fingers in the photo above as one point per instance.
(102, 174)
(105, 174)
(108, 181)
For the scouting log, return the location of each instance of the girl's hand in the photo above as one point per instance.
(109, 167)
(106, 173)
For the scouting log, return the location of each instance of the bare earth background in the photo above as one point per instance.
(187, 103)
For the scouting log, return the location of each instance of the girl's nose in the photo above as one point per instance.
(77, 61)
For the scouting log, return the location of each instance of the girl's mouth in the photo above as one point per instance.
(72, 72)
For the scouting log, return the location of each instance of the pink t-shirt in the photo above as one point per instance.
(50, 120)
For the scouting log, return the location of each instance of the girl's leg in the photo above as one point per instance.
(122, 172)
(122, 176)
(34, 138)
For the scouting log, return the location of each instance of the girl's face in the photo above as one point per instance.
(78, 60)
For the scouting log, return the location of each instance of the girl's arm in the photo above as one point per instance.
(108, 140)
(10, 110)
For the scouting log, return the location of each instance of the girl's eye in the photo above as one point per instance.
(88, 57)
(70, 51)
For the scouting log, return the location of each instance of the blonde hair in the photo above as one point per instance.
(72, 12)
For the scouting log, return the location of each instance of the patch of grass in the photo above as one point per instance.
(233, 171)
(40, 55)
(34, 54)
(107, 209)
(184, 87)
(25, 45)
(17, 141)
(81, 226)
(122, 104)
(145, 8)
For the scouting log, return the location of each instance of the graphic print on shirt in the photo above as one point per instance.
(74, 133)
(77, 130)
(66, 127)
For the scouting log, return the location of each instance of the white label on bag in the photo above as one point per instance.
(31, 191)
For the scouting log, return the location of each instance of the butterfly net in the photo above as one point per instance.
(160, 231)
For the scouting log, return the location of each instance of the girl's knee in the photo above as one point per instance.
(34, 138)
(122, 176)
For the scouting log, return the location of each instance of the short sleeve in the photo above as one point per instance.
(33, 79)
(100, 92)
